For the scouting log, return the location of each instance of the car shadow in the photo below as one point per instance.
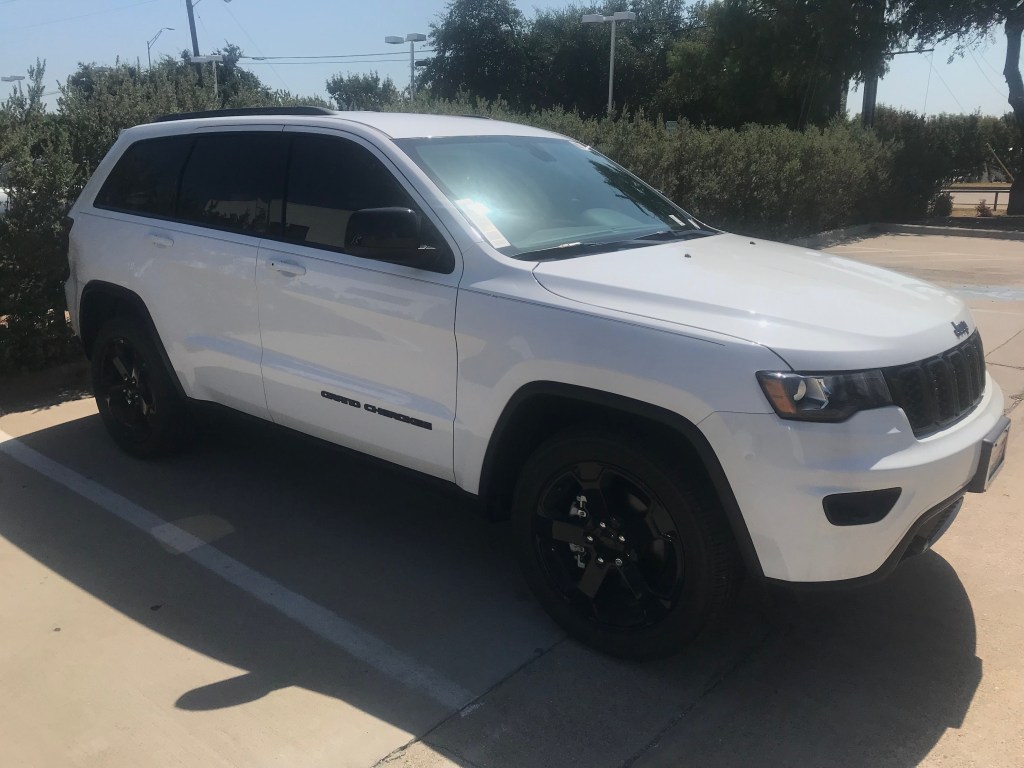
(871, 677)
(40, 390)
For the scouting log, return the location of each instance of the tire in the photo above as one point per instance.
(648, 562)
(137, 399)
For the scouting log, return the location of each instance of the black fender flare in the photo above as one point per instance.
(96, 290)
(679, 425)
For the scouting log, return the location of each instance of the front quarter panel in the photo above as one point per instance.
(511, 333)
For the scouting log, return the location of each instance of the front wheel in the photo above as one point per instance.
(623, 552)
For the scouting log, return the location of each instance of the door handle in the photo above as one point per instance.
(287, 268)
(160, 241)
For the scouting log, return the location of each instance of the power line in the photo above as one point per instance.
(254, 45)
(928, 87)
(993, 69)
(331, 55)
(950, 90)
(975, 60)
(81, 15)
(315, 63)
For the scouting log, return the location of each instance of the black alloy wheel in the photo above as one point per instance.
(135, 394)
(124, 387)
(608, 546)
(625, 554)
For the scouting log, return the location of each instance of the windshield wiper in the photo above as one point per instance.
(678, 234)
(570, 250)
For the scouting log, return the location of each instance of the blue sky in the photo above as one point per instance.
(65, 32)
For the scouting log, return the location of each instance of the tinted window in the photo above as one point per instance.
(234, 181)
(145, 179)
(330, 178)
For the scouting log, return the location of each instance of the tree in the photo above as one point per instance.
(41, 178)
(969, 22)
(480, 48)
(366, 92)
(778, 61)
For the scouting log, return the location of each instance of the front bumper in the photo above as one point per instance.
(780, 472)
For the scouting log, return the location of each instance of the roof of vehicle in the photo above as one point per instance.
(396, 125)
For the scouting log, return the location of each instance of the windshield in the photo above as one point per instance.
(538, 197)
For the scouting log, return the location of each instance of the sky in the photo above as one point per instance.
(66, 32)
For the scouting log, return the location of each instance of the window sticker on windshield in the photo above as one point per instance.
(677, 220)
(477, 213)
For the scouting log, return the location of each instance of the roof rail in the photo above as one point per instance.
(244, 112)
(479, 117)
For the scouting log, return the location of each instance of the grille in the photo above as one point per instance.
(939, 390)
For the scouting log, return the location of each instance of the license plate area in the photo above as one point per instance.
(993, 456)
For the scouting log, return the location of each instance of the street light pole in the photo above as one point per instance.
(597, 18)
(149, 44)
(214, 59)
(412, 38)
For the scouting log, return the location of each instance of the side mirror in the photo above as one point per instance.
(389, 234)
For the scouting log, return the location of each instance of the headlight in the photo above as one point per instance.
(825, 396)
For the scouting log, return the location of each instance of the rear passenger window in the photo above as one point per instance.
(330, 178)
(145, 179)
(234, 181)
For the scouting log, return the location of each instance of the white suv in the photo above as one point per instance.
(658, 405)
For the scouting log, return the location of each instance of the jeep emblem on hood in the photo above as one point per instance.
(961, 328)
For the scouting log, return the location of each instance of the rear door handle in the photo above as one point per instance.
(160, 241)
(287, 268)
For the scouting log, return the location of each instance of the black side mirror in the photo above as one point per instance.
(389, 234)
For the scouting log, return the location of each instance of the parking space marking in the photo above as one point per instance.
(326, 624)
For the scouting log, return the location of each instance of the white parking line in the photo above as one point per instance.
(319, 620)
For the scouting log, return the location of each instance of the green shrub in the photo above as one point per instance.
(941, 207)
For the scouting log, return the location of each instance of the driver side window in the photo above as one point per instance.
(328, 179)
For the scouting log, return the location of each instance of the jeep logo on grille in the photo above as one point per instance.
(961, 328)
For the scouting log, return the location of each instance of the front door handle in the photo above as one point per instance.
(160, 241)
(287, 268)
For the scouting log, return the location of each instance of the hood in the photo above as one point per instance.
(817, 311)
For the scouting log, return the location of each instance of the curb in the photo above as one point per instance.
(834, 236)
(837, 236)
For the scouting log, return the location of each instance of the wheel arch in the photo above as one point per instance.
(102, 301)
(540, 409)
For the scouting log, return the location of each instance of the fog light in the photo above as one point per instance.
(860, 508)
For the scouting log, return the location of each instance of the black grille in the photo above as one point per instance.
(936, 392)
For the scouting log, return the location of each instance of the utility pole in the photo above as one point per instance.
(195, 39)
(192, 27)
(867, 113)
(875, 68)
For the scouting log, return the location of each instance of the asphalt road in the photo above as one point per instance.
(264, 601)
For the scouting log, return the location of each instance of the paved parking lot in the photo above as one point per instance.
(264, 601)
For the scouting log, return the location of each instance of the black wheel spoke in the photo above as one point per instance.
(592, 579)
(588, 475)
(119, 365)
(635, 580)
(568, 532)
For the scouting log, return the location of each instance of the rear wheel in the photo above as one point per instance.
(136, 397)
(623, 552)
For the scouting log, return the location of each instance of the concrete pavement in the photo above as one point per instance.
(989, 274)
(264, 601)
